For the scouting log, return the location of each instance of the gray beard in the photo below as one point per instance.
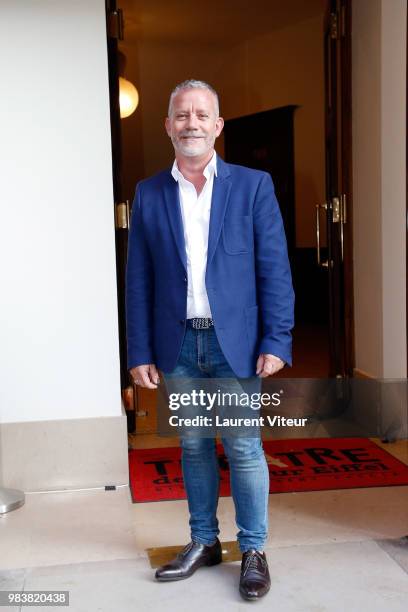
(190, 152)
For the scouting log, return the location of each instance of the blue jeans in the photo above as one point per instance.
(201, 357)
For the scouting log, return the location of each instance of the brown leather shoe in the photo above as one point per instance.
(255, 581)
(193, 556)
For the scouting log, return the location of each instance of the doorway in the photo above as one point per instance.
(283, 58)
(266, 141)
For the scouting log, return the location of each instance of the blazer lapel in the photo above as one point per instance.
(171, 196)
(220, 196)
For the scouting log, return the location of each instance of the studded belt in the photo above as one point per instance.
(200, 323)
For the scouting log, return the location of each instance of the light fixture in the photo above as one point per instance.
(128, 98)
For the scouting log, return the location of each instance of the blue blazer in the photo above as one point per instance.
(248, 278)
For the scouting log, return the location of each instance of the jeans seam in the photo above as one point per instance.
(198, 344)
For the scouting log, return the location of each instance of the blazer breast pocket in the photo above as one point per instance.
(237, 234)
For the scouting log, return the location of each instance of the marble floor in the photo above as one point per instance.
(328, 551)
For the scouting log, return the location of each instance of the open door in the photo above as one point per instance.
(114, 28)
(336, 211)
(138, 402)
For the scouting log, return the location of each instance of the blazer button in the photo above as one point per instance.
(182, 321)
(185, 279)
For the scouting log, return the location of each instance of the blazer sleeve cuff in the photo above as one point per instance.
(271, 347)
(138, 358)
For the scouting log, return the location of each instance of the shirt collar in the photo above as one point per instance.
(211, 168)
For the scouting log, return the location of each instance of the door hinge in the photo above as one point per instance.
(339, 209)
(335, 210)
(334, 25)
(115, 24)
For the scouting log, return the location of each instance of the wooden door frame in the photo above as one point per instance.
(339, 183)
(347, 186)
(113, 34)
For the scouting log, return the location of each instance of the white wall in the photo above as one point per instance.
(58, 326)
(379, 134)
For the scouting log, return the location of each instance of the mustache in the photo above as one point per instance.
(193, 134)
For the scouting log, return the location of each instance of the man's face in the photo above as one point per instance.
(193, 125)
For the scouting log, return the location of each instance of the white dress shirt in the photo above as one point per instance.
(195, 212)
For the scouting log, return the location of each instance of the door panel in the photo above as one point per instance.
(338, 205)
(121, 212)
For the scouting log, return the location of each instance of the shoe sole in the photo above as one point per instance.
(173, 579)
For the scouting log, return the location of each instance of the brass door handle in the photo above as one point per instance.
(122, 215)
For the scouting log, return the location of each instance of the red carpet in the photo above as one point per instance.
(294, 465)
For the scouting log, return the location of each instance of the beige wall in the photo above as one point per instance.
(379, 132)
(393, 188)
(366, 87)
(281, 68)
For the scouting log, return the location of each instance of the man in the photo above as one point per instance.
(209, 294)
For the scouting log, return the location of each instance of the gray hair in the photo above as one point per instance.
(194, 84)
